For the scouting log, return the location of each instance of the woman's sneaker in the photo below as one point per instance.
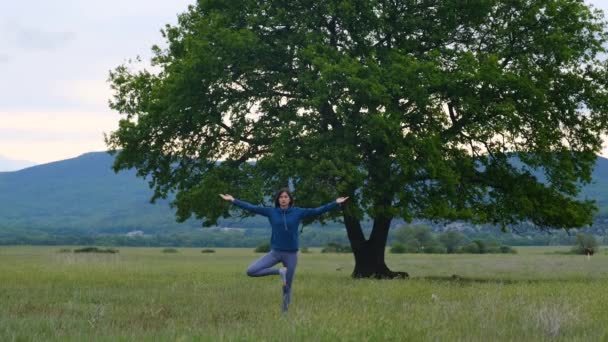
(283, 274)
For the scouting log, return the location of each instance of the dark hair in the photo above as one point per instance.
(281, 191)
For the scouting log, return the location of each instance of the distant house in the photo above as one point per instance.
(233, 229)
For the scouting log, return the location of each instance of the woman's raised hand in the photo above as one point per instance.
(341, 200)
(227, 197)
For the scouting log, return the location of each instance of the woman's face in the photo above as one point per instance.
(284, 200)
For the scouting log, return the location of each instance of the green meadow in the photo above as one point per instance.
(142, 294)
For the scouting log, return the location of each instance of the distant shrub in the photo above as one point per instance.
(482, 247)
(170, 250)
(472, 248)
(208, 250)
(507, 250)
(333, 247)
(64, 250)
(569, 252)
(263, 248)
(493, 250)
(416, 238)
(434, 249)
(398, 249)
(585, 244)
(304, 250)
(451, 240)
(95, 250)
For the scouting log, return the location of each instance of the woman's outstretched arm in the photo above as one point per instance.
(306, 212)
(265, 211)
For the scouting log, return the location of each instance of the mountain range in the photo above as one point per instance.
(83, 195)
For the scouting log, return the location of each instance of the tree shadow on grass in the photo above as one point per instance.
(456, 279)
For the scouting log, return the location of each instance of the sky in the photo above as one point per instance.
(55, 57)
(54, 62)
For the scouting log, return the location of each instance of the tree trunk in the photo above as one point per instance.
(369, 263)
(369, 254)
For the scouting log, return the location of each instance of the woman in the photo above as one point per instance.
(284, 219)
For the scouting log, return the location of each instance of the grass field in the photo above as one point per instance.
(142, 294)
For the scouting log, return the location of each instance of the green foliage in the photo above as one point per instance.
(263, 248)
(313, 236)
(507, 250)
(472, 248)
(451, 240)
(435, 249)
(585, 244)
(95, 250)
(170, 250)
(208, 250)
(398, 249)
(333, 247)
(64, 250)
(478, 247)
(305, 250)
(420, 239)
(482, 247)
(211, 237)
(425, 111)
(409, 232)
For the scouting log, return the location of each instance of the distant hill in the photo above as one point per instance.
(598, 189)
(81, 193)
(7, 164)
(84, 195)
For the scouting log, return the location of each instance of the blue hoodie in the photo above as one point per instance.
(284, 222)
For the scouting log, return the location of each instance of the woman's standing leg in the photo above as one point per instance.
(290, 261)
(263, 266)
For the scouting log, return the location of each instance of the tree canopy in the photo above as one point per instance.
(487, 110)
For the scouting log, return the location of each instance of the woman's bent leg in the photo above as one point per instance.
(263, 266)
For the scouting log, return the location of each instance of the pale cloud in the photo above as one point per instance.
(49, 151)
(37, 39)
(85, 92)
(46, 136)
(18, 35)
(58, 122)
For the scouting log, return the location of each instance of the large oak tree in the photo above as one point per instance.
(486, 111)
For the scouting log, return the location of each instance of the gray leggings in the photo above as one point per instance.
(263, 266)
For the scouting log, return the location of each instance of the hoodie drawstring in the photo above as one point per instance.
(284, 220)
